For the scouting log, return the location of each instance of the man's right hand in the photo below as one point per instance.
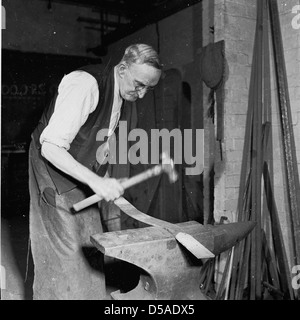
(107, 188)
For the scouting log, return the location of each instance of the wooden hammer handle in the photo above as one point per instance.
(86, 202)
(125, 184)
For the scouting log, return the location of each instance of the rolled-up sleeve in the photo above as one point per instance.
(78, 96)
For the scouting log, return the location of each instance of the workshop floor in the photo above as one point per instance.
(19, 265)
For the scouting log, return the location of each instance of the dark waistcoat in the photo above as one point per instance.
(84, 146)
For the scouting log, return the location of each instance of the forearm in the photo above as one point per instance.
(63, 160)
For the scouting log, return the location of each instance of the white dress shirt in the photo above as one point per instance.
(78, 96)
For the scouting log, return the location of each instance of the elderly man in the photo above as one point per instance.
(65, 167)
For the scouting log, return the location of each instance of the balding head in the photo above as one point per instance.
(138, 72)
(141, 54)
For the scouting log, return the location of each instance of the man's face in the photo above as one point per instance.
(136, 80)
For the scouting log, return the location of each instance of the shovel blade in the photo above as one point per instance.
(194, 246)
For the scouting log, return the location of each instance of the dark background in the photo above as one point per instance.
(28, 83)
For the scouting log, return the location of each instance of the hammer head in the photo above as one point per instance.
(169, 167)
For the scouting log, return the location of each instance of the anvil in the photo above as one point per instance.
(168, 270)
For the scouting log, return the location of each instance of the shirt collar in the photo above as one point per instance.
(116, 88)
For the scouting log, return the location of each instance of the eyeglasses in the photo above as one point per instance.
(139, 86)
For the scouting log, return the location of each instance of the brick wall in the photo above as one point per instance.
(235, 23)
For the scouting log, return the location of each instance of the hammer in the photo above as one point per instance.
(166, 166)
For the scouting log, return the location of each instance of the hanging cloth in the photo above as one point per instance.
(212, 74)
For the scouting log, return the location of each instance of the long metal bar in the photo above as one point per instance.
(270, 262)
(102, 5)
(258, 141)
(247, 141)
(244, 254)
(267, 132)
(107, 23)
(224, 277)
(267, 120)
(278, 238)
(255, 156)
(187, 240)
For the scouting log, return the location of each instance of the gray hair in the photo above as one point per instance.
(141, 53)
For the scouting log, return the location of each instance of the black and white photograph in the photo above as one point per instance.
(150, 152)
